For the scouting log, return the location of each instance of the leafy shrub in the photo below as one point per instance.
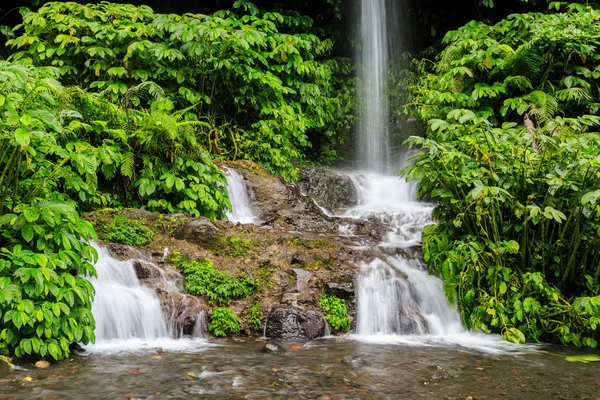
(511, 157)
(45, 301)
(224, 321)
(255, 316)
(256, 83)
(128, 231)
(202, 279)
(335, 312)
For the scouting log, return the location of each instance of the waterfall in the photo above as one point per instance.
(123, 308)
(374, 151)
(241, 211)
(129, 315)
(395, 295)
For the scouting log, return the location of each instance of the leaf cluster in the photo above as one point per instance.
(336, 313)
(224, 321)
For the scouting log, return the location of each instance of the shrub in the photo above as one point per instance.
(45, 300)
(128, 231)
(219, 288)
(224, 321)
(255, 316)
(335, 312)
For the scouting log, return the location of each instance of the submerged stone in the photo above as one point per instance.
(293, 324)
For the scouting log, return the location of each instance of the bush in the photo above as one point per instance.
(511, 157)
(224, 321)
(45, 300)
(128, 231)
(255, 316)
(335, 312)
(219, 288)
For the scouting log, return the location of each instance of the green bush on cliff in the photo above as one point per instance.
(224, 321)
(202, 279)
(127, 231)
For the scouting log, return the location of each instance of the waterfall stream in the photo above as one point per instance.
(241, 210)
(129, 315)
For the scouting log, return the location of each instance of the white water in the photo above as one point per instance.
(241, 211)
(398, 302)
(128, 315)
(374, 153)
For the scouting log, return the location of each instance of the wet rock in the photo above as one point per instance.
(200, 231)
(331, 189)
(5, 367)
(123, 252)
(272, 348)
(343, 290)
(43, 364)
(301, 290)
(293, 324)
(146, 270)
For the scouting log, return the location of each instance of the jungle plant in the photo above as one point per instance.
(239, 246)
(219, 288)
(512, 158)
(127, 231)
(258, 82)
(335, 312)
(224, 321)
(255, 316)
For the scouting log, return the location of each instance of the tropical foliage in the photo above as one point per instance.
(512, 157)
(255, 84)
(336, 313)
(224, 321)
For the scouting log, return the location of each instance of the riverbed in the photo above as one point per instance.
(322, 369)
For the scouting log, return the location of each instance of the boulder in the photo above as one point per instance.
(331, 189)
(200, 231)
(293, 324)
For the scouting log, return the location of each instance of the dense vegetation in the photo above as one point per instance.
(111, 105)
(512, 157)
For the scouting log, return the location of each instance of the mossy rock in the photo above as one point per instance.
(5, 367)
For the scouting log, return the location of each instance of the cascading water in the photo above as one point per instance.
(241, 211)
(129, 315)
(397, 300)
(123, 308)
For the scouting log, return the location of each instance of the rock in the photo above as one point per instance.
(331, 189)
(343, 290)
(300, 291)
(272, 348)
(5, 367)
(146, 270)
(43, 364)
(200, 231)
(293, 324)
(123, 252)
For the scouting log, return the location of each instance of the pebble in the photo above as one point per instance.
(42, 364)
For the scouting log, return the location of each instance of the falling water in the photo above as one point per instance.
(200, 327)
(374, 151)
(129, 315)
(241, 211)
(123, 308)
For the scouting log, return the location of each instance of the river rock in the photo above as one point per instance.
(200, 231)
(331, 189)
(5, 367)
(272, 348)
(293, 324)
(42, 364)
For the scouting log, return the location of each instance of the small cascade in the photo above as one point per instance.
(201, 325)
(129, 316)
(241, 211)
(123, 308)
